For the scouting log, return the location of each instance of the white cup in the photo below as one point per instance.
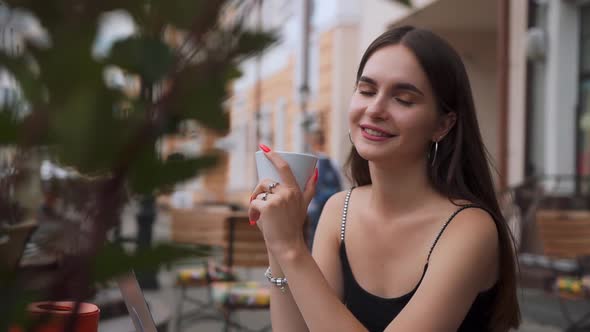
(302, 165)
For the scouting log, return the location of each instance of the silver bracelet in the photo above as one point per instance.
(281, 283)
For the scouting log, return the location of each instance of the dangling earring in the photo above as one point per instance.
(435, 152)
(350, 138)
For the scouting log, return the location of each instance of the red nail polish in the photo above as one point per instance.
(252, 222)
(264, 148)
(315, 177)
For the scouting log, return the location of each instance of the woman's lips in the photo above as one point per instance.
(375, 134)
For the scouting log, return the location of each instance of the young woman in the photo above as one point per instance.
(419, 244)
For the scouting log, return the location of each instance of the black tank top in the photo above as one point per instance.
(376, 312)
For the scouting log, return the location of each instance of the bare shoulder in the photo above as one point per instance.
(335, 203)
(472, 229)
(464, 263)
(329, 223)
(477, 223)
(470, 239)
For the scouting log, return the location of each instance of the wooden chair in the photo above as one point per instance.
(565, 239)
(246, 250)
(199, 226)
(241, 246)
(564, 233)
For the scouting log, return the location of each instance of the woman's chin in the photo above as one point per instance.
(374, 156)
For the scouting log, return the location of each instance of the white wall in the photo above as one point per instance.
(330, 13)
(561, 89)
(240, 141)
(517, 92)
(285, 15)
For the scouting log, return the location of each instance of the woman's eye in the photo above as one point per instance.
(404, 102)
(366, 92)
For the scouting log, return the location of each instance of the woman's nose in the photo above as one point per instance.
(378, 107)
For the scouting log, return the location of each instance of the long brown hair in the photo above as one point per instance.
(461, 169)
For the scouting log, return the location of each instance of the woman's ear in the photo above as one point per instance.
(446, 123)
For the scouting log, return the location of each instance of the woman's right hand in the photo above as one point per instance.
(280, 213)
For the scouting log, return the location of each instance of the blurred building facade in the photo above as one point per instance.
(528, 62)
(557, 112)
(265, 107)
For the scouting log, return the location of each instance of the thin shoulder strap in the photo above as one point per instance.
(345, 213)
(445, 226)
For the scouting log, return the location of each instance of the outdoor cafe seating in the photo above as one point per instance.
(235, 244)
(553, 239)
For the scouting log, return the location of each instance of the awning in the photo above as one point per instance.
(470, 15)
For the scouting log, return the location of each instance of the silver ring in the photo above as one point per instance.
(264, 196)
(272, 186)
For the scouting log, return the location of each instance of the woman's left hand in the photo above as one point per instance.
(281, 215)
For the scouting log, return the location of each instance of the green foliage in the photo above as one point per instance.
(199, 91)
(100, 130)
(14, 301)
(18, 300)
(29, 83)
(10, 126)
(88, 132)
(184, 14)
(83, 121)
(149, 172)
(141, 260)
(250, 43)
(148, 56)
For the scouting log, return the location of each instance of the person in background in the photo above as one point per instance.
(328, 181)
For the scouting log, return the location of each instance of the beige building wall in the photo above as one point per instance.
(280, 122)
(478, 51)
(281, 85)
(345, 60)
(377, 15)
(276, 91)
(323, 102)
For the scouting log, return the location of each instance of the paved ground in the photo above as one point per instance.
(541, 312)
